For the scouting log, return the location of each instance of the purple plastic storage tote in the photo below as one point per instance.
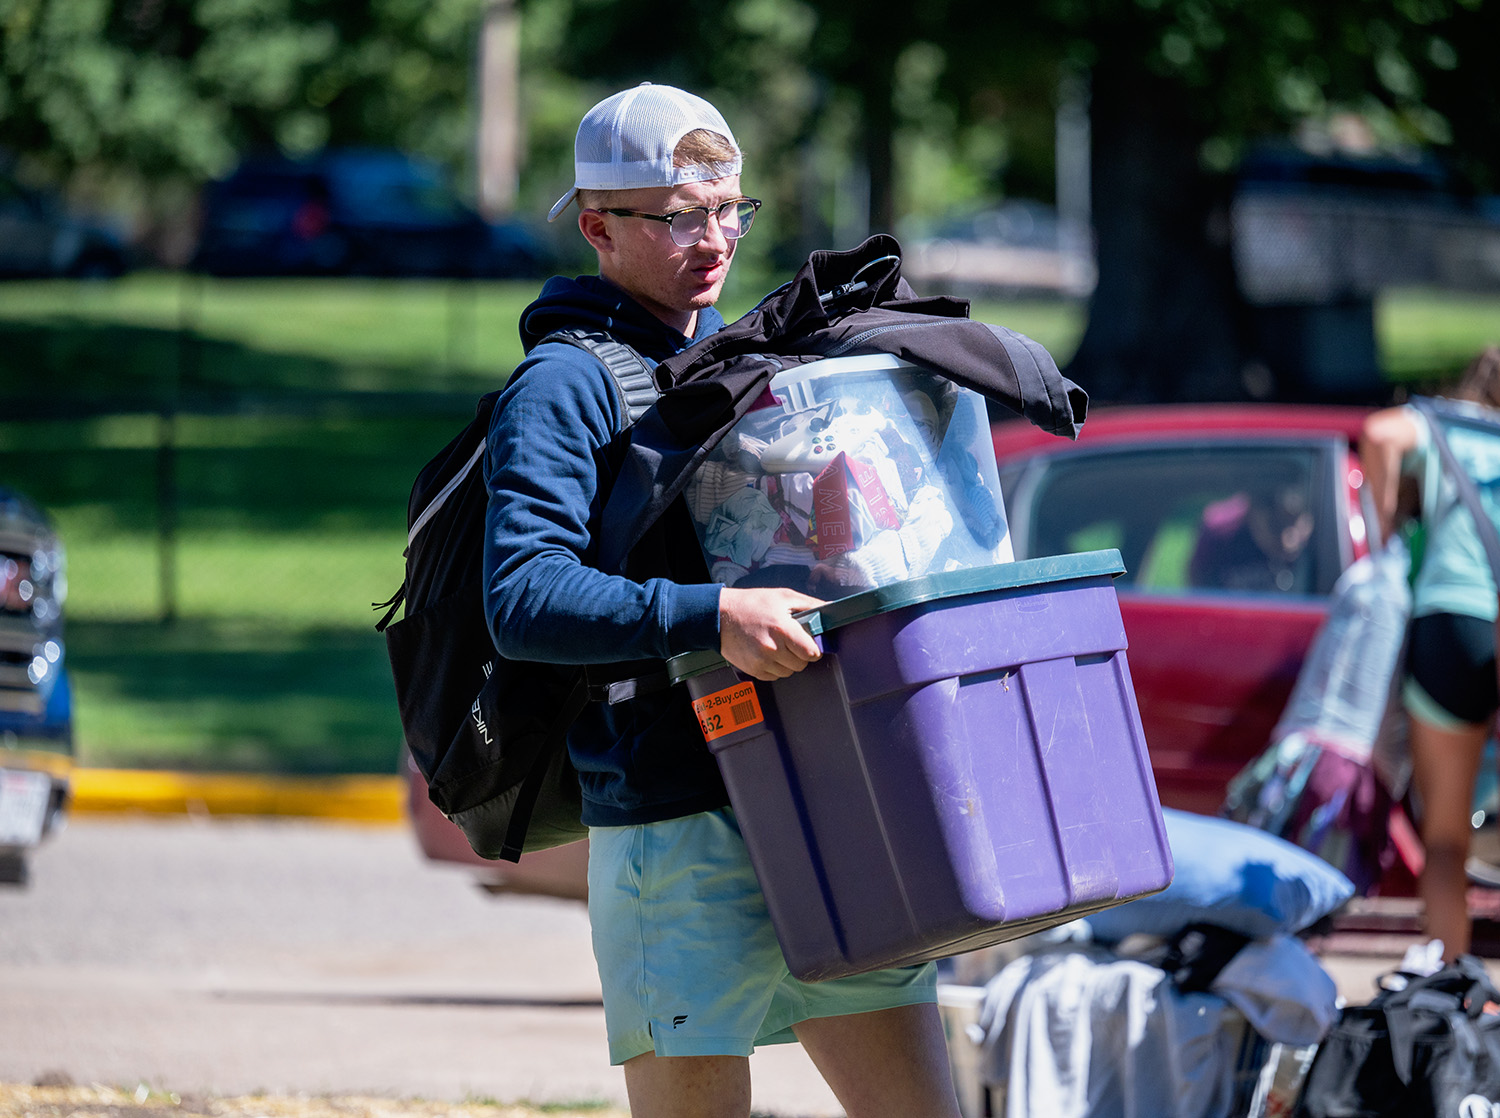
(963, 766)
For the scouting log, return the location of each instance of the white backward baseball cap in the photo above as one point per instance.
(626, 141)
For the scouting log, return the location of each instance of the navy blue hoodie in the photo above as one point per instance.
(549, 468)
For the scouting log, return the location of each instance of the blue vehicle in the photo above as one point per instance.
(355, 212)
(36, 705)
(41, 237)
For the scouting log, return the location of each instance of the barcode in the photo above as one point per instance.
(744, 712)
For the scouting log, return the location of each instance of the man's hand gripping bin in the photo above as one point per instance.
(964, 765)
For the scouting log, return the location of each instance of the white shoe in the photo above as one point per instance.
(1423, 958)
(1480, 872)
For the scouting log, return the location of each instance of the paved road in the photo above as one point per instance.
(291, 956)
(294, 956)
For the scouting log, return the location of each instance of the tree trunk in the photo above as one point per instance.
(879, 135)
(1166, 321)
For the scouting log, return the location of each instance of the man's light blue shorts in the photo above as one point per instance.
(687, 955)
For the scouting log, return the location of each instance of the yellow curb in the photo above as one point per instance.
(364, 799)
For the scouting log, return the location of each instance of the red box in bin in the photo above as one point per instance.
(849, 503)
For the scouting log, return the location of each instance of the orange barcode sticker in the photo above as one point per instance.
(728, 710)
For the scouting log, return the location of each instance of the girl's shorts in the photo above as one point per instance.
(1450, 665)
(687, 956)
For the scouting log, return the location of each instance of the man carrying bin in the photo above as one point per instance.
(692, 974)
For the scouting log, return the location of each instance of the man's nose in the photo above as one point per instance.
(713, 239)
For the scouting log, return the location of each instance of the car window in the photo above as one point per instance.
(268, 184)
(1233, 519)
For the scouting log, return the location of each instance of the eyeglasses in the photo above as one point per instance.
(689, 226)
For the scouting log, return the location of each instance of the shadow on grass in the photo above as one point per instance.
(77, 358)
(276, 696)
(214, 696)
(266, 452)
(284, 473)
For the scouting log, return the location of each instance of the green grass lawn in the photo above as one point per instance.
(347, 334)
(354, 323)
(403, 335)
(288, 522)
(285, 529)
(1426, 335)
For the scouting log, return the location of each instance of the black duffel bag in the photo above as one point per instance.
(1424, 1047)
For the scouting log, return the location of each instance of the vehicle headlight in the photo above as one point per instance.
(47, 585)
(51, 566)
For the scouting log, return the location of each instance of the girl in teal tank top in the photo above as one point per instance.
(1450, 689)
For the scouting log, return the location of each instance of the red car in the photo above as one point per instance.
(1234, 521)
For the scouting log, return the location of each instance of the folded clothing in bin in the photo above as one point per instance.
(964, 765)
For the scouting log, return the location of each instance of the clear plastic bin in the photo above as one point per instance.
(852, 473)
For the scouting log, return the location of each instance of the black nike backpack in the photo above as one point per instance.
(487, 733)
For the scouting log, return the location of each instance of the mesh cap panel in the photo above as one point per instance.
(626, 142)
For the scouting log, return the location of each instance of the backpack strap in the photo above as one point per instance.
(633, 377)
(1468, 492)
(613, 691)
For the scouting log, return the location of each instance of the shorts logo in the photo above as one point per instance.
(679, 1020)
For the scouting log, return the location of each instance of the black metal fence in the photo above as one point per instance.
(229, 517)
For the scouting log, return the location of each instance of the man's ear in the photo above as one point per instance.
(595, 230)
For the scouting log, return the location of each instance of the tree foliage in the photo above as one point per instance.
(1178, 89)
(1241, 68)
(179, 87)
(165, 89)
(970, 86)
(846, 106)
